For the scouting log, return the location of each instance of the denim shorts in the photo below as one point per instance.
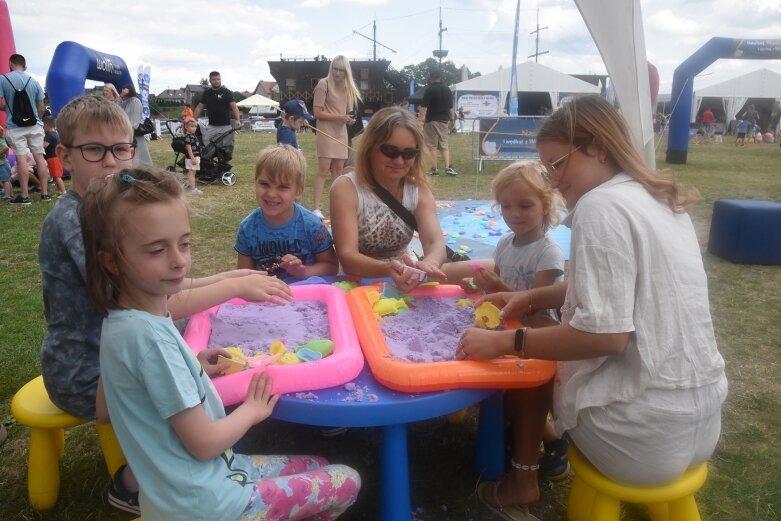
(5, 173)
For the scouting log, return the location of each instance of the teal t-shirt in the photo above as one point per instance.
(149, 375)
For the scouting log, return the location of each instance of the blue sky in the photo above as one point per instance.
(183, 41)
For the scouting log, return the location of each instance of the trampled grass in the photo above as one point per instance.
(745, 478)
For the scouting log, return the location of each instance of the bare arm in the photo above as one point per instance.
(245, 262)
(326, 264)
(206, 439)
(321, 113)
(198, 110)
(41, 108)
(236, 114)
(251, 287)
(560, 343)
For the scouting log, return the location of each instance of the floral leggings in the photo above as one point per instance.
(298, 487)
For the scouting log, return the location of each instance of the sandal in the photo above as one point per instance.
(508, 512)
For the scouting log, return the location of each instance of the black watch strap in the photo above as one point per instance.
(520, 341)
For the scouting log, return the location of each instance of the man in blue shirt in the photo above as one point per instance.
(25, 139)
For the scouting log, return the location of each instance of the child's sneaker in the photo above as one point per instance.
(196, 191)
(433, 172)
(554, 463)
(21, 200)
(318, 214)
(120, 497)
(46, 198)
(450, 171)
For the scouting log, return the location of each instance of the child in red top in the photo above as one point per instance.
(50, 141)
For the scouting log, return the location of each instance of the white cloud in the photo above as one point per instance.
(238, 37)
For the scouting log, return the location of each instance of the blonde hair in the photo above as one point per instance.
(531, 175)
(343, 63)
(102, 209)
(111, 88)
(91, 111)
(282, 163)
(379, 131)
(591, 121)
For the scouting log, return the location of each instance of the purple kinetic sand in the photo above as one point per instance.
(253, 327)
(429, 331)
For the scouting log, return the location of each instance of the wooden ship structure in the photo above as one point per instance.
(380, 84)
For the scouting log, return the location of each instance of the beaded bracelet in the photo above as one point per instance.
(518, 466)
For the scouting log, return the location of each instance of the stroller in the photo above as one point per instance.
(215, 159)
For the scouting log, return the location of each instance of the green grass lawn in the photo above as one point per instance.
(745, 478)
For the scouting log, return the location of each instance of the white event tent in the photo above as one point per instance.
(762, 83)
(532, 77)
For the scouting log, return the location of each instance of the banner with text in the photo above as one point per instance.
(143, 88)
(508, 137)
(477, 104)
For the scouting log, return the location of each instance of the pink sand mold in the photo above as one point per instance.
(342, 366)
(411, 273)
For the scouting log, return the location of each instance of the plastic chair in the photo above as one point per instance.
(594, 497)
(31, 407)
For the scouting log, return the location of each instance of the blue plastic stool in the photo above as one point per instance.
(746, 231)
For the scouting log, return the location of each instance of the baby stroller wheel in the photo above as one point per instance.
(228, 179)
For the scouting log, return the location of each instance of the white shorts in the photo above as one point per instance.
(189, 165)
(655, 438)
(26, 139)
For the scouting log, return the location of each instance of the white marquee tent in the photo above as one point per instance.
(762, 83)
(532, 77)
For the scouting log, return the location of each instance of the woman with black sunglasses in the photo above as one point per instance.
(371, 239)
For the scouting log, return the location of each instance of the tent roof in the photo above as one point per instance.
(762, 83)
(532, 77)
(256, 100)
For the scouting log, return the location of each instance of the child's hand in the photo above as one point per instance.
(293, 265)
(489, 282)
(433, 272)
(511, 303)
(262, 287)
(208, 360)
(259, 398)
(469, 285)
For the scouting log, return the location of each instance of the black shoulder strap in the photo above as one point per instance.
(14, 86)
(396, 206)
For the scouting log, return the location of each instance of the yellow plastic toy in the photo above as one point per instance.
(487, 316)
(277, 348)
(289, 359)
(465, 303)
(389, 306)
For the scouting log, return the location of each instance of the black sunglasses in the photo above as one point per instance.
(392, 152)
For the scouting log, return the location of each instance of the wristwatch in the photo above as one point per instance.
(520, 341)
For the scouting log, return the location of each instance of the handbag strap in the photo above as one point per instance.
(394, 204)
(406, 216)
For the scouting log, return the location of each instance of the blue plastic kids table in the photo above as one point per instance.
(366, 403)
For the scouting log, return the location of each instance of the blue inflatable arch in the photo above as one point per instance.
(683, 83)
(72, 64)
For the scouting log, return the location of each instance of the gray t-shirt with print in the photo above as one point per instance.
(70, 361)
